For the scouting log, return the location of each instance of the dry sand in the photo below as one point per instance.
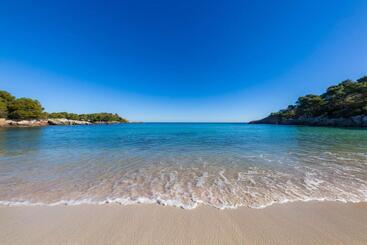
(294, 223)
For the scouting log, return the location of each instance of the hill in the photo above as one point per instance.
(342, 105)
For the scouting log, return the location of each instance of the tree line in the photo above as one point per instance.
(347, 99)
(28, 109)
(93, 117)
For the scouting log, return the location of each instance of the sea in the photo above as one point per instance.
(185, 165)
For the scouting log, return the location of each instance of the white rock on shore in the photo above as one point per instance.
(63, 121)
(37, 123)
(22, 123)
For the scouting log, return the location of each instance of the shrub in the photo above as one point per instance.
(3, 109)
(25, 109)
(6, 97)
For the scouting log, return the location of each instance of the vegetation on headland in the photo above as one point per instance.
(348, 99)
(28, 109)
(21, 108)
(93, 117)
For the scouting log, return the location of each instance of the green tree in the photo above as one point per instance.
(6, 97)
(5, 100)
(25, 108)
(362, 79)
(93, 117)
(310, 105)
(348, 98)
(3, 109)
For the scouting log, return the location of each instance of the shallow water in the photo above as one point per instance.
(183, 165)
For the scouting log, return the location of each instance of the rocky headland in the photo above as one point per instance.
(26, 112)
(343, 105)
(355, 121)
(47, 122)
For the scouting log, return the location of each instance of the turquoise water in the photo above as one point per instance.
(182, 164)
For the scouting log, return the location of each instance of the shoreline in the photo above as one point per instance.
(321, 121)
(291, 223)
(162, 203)
(7, 123)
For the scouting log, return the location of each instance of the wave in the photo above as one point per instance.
(170, 202)
(225, 186)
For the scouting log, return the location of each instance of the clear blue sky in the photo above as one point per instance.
(179, 60)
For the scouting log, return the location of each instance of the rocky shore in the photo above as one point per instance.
(63, 121)
(46, 122)
(356, 121)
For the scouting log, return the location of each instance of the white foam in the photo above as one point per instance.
(175, 203)
(201, 179)
(215, 186)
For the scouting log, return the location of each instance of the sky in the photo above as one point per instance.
(179, 61)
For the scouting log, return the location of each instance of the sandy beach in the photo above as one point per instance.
(293, 223)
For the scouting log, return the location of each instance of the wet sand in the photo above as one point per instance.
(293, 223)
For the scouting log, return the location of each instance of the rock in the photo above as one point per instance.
(38, 123)
(268, 120)
(364, 121)
(105, 122)
(55, 122)
(2, 122)
(23, 123)
(356, 121)
(64, 121)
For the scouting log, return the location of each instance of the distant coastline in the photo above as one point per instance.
(26, 112)
(5, 123)
(343, 105)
